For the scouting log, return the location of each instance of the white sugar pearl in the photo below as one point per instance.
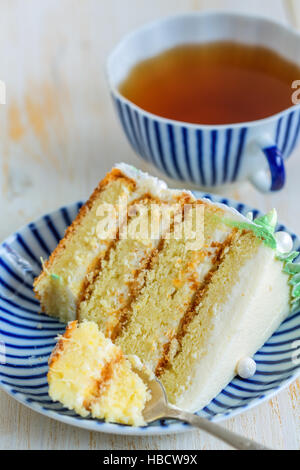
(246, 368)
(249, 216)
(284, 242)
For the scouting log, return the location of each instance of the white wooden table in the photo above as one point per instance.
(58, 137)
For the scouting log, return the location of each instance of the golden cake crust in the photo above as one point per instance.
(60, 345)
(113, 175)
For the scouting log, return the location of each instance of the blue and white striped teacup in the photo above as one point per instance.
(205, 155)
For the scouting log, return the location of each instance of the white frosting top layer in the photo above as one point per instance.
(160, 189)
(146, 183)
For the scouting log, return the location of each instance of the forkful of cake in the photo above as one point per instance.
(92, 376)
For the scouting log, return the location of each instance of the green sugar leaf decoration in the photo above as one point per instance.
(268, 221)
(266, 236)
(292, 268)
(295, 280)
(56, 277)
(296, 291)
(264, 229)
(295, 306)
(288, 257)
(295, 300)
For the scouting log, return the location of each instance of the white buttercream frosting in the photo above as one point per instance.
(159, 188)
(241, 325)
(151, 184)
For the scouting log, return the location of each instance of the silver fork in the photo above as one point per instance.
(158, 407)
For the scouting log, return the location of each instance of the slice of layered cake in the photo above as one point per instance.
(188, 286)
(89, 374)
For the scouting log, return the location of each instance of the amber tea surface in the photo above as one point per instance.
(215, 83)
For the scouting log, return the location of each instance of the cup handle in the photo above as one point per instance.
(274, 178)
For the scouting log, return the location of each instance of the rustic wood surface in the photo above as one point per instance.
(58, 137)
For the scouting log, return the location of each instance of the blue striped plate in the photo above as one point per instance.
(27, 338)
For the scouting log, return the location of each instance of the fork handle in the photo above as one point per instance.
(231, 438)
